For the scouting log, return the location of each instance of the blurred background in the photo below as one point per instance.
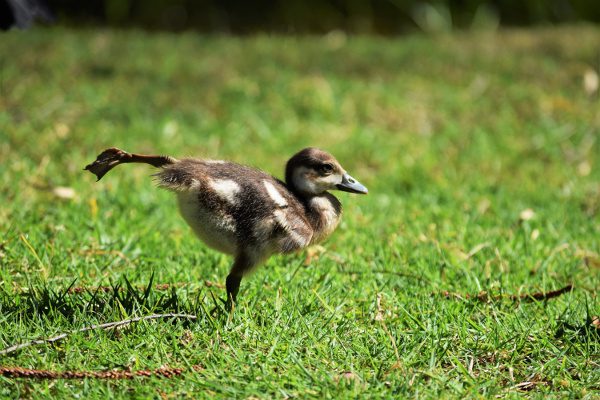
(386, 17)
(474, 124)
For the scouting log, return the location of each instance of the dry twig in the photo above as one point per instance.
(107, 325)
(485, 296)
(18, 372)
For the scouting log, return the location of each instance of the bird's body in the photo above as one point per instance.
(246, 212)
(234, 208)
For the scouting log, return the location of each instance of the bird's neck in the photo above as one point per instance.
(323, 212)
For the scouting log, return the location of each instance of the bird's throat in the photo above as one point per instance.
(324, 212)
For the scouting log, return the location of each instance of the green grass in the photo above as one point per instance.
(454, 135)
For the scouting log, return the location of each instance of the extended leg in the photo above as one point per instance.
(112, 157)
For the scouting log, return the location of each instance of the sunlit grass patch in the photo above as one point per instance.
(481, 155)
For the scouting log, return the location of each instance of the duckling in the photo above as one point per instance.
(245, 212)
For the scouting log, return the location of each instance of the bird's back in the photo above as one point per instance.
(236, 208)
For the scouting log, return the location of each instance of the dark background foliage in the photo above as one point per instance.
(386, 17)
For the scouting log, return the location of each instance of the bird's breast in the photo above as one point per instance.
(325, 212)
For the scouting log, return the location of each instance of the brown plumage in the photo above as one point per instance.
(246, 212)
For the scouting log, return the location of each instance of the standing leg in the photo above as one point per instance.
(233, 287)
(241, 264)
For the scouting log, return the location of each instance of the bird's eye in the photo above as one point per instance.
(326, 169)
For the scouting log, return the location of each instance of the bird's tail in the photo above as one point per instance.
(112, 157)
(185, 175)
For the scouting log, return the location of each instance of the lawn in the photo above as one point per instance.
(481, 151)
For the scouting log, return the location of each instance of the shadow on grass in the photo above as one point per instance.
(588, 331)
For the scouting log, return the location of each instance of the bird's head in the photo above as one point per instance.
(312, 172)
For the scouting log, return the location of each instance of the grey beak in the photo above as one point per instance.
(349, 184)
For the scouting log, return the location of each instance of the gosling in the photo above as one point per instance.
(245, 212)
